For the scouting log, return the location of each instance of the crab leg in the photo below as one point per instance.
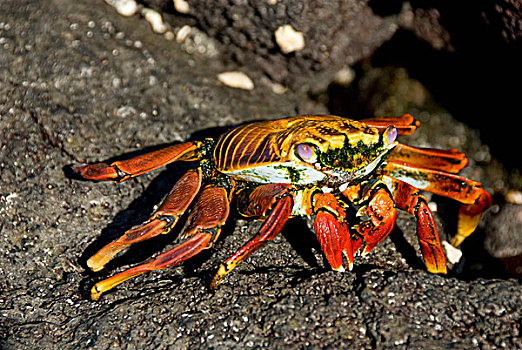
(410, 199)
(380, 209)
(271, 227)
(469, 217)
(331, 231)
(404, 124)
(162, 221)
(122, 170)
(203, 228)
(466, 191)
(451, 161)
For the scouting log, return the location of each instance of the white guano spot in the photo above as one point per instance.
(288, 39)
(124, 7)
(278, 89)
(514, 197)
(453, 254)
(344, 76)
(155, 20)
(181, 6)
(125, 111)
(237, 80)
(183, 33)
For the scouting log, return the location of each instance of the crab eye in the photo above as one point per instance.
(391, 133)
(306, 152)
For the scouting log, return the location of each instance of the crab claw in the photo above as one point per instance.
(334, 239)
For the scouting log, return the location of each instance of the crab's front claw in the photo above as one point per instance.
(381, 213)
(335, 241)
(331, 232)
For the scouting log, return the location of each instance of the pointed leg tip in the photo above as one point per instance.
(214, 284)
(94, 266)
(218, 277)
(438, 270)
(96, 172)
(95, 294)
(366, 250)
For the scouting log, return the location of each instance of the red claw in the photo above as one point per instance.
(334, 240)
(331, 231)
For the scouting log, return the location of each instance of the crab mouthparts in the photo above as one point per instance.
(343, 179)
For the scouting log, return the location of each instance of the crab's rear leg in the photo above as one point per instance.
(474, 198)
(469, 216)
(451, 160)
(411, 199)
(161, 221)
(404, 124)
(272, 200)
(122, 170)
(203, 228)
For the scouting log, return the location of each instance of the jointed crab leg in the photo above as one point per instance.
(271, 227)
(469, 217)
(331, 231)
(451, 161)
(122, 170)
(410, 199)
(404, 124)
(162, 221)
(464, 190)
(210, 213)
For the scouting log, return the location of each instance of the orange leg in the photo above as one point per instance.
(273, 224)
(469, 217)
(451, 161)
(331, 231)
(466, 191)
(410, 199)
(204, 226)
(122, 170)
(162, 221)
(382, 214)
(404, 124)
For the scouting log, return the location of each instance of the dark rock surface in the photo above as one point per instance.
(78, 83)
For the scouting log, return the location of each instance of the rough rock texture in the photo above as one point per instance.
(79, 83)
(336, 34)
(340, 33)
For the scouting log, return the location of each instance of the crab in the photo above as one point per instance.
(349, 176)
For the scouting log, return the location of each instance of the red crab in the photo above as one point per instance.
(310, 165)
